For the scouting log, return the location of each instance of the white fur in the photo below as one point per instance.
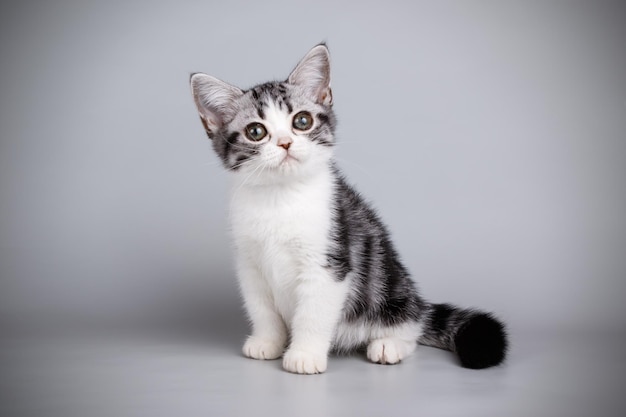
(386, 344)
(389, 350)
(353, 335)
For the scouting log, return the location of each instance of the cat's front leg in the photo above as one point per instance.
(320, 299)
(269, 333)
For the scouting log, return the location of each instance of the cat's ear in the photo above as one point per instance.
(313, 73)
(215, 100)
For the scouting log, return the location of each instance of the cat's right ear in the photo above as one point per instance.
(313, 73)
(214, 99)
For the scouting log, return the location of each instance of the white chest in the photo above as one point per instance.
(295, 218)
(283, 232)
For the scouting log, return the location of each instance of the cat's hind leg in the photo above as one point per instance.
(389, 345)
(389, 350)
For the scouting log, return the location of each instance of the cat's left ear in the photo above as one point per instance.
(313, 73)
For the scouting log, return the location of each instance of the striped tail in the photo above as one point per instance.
(478, 338)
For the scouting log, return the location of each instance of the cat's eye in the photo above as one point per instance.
(302, 121)
(255, 132)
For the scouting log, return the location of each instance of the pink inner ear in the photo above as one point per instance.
(326, 97)
(205, 124)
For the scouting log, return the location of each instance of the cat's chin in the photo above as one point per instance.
(289, 164)
(286, 170)
(289, 170)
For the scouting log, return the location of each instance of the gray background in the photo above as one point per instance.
(490, 136)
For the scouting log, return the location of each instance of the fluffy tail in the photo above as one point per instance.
(478, 338)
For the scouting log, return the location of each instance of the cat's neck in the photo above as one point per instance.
(266, 182)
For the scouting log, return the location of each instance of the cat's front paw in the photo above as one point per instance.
(257, 348)
(302, 362)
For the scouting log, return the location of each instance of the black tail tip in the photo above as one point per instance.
(481, 342)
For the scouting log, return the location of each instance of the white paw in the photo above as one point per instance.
(301, 362)
(389, 350)
(256, 348)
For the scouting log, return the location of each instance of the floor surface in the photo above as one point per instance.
(196, 373)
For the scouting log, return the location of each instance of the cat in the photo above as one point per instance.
(316, 266)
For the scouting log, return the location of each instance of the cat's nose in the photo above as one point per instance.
(285, 142)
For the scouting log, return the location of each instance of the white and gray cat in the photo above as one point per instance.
(316, 265)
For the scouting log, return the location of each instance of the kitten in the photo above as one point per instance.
(316, 266)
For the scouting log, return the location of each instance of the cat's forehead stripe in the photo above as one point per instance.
(275, 116)
(264, 94)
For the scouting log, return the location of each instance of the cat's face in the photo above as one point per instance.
(274, 131)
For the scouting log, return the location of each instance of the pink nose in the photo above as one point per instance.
(285, 142)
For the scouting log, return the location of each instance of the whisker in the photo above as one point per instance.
(246, 179)
(263, 166)
(239, 146)
(242, 163)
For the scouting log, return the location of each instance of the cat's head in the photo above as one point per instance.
(273, 130)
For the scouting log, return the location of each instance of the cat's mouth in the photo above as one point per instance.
(288, 163)
(289, 159)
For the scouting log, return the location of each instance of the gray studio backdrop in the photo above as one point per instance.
(490, 136)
